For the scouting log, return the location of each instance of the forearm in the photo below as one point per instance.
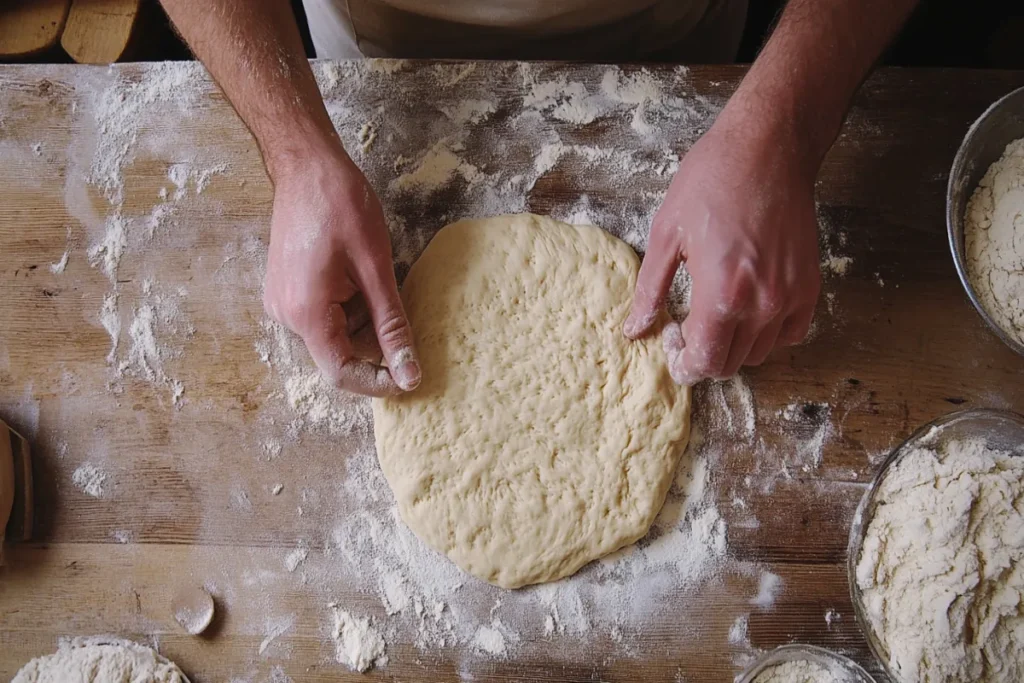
(254, 51)
(817, 57)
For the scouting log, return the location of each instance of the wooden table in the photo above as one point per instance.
(190, 442)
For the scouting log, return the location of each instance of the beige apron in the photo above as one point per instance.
(586, 30)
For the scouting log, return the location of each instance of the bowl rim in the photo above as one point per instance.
(959, 254)
(859, 525)
(773, 658)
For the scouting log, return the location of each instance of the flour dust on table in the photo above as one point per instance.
(541, 437)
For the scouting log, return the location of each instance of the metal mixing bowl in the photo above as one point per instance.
(984, 143)
(790, 653)
(1001, 430)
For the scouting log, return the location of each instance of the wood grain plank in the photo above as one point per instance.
(189, 489)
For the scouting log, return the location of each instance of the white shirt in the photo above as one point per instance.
(592, 30)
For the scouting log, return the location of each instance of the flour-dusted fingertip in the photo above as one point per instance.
(408, 375)
(636, 324)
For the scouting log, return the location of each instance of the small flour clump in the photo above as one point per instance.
(799, 671)
(89, 479)
(994, 240)
(942, 566)
(359, 645)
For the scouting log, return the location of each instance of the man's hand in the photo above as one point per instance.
(330, 277)
(740, 213)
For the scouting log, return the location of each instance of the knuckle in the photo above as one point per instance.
(393, 328)
(734, 301)
(772, 301)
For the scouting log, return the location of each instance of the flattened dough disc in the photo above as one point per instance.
(541, 438)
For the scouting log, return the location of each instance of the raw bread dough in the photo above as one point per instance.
(106, 660)
(541, 438)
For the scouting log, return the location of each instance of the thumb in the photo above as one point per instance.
(652, 284)
(391, 324)
(332, 351)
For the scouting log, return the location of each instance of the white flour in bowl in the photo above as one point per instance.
(994, 240)
(798, 671)
(942, 565)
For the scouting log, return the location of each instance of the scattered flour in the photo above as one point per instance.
(563, 100)
(276, 627)
(294, 558)
(738, 631)
(811, 423)
(122, 536)
(836, 265)
(490, 639)
(310, 396)
(994, 241)
(111, 321)
(767, 591)
(437, 167)
(359, 645)
(941, 569)
(58, 267)
(106, 254)
(89, 479)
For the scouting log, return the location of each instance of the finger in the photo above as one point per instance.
(332, 351)
(672, 343)
(360, 330)
(365, 345)
(357, 315)
(652, 283)
(391, 324)
(796, 326)
(765, 343)
(708, 338)
(747, 332)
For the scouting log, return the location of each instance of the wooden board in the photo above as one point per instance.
(99, 31)
(186, 484)
(30, 26)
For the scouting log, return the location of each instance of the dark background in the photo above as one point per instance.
(941, 33)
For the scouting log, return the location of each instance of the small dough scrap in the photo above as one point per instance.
(541, 437)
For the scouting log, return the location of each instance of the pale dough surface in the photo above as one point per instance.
(100, 660)
(541, 438)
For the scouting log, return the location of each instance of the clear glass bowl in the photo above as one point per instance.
(982, 146)
(818, 655)
(1000, 429)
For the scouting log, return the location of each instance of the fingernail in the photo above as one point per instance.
(680, 375)
(629, 327)
(408, 375)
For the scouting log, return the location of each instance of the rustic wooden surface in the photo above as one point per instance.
(30, 26)
(99, 31)
(897, 344)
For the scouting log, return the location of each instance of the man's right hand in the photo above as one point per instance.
(330, 277)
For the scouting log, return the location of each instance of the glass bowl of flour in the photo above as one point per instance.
(804, 664)
(936, 553)
(985, 217)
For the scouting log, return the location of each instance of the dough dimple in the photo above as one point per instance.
(541, 438)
